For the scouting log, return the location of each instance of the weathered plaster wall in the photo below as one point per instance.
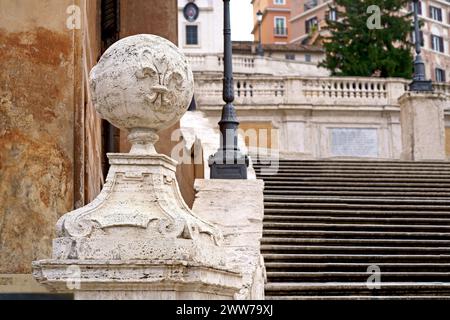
(37, 112)
(153, 17)
(92, 153)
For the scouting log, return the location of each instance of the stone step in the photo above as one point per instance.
(360, 220)
(356, 241)
(327, 221)
(299, 179)
(445, 166)
(356, 213)
(370, 259)
(270, 233)
(344, 170)
(363, 200)
(354, 276)
(330, 249)
(348, 297)
(307, 183)
(357, 189)
(357, 288)
(358, 162)
(280, 169)
(356, 206)
(358, 194)
(384, 267)
(355, 227)
(364, 175)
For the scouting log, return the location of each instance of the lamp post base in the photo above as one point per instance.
(231, 166)
(421, 85)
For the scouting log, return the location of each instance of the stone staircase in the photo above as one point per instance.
(327, 222)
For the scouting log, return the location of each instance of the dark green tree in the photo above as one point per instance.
(356, 49)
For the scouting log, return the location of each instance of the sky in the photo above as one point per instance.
(241, 20)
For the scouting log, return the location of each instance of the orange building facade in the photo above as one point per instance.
(308, 17)
(275, 21)
(308, 22)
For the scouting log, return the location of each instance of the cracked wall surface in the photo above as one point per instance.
(37, 107)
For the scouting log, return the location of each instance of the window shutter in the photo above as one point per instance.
(110, 23)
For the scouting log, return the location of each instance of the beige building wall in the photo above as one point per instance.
(40, 112)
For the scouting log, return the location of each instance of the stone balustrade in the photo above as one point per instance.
(248, 64)
(287, 90)
(302, 112)
(442, 88)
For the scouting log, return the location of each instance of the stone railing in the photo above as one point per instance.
(329, 91)
(249, 64)
(260, 90)
(443, 88)
(248, 91)
(245, 62)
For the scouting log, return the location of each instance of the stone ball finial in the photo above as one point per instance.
(143, 84)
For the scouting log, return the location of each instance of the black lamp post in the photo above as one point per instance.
(228, 162)
(420, 83)
(259, 17)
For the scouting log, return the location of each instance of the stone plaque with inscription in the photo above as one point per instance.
(354, 142)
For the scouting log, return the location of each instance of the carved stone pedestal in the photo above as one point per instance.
(138, 239)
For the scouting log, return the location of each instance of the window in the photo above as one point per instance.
(290, 56)
(308, 57)
(192, 35)
(332, 15)
(440, 75)
(435, 13)
(419, 7)
(280, 26)
(279, 2)
(437, 43)
(422, 39)
(310, 24)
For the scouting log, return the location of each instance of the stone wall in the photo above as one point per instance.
(39, 107)
(237, 209)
